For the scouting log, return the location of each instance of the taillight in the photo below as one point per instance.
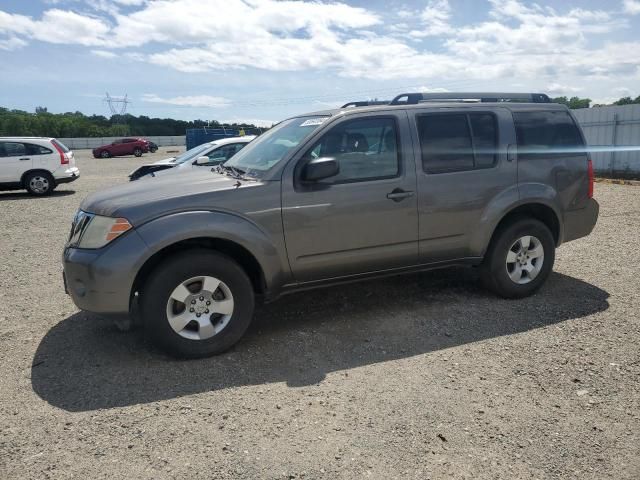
(591, 177)
(63, 158)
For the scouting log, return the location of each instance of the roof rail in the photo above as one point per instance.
(365, 103)
(415, 98)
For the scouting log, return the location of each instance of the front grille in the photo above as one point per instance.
(78, 226)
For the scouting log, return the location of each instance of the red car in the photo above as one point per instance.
(125, 146)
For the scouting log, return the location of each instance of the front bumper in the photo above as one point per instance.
(580, 223)
(101, 280)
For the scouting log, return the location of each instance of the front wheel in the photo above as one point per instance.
(105, 154)
(519, 259)
(197, 304)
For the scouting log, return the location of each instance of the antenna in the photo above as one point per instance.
(117, 105)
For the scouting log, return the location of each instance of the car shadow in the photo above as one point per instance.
(19, 195)
(83, 363)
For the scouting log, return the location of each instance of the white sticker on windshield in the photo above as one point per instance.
(313, 121)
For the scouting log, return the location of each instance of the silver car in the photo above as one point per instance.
(207, 154)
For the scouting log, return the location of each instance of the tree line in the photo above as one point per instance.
(576, 102)
(75, 124)
(42, 123)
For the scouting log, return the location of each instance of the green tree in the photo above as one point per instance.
(573, 102)
(627, 101)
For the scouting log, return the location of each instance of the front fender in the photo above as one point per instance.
(168, 230)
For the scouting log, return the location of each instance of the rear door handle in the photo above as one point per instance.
(397, 195)
(25, 159)
(512, 152)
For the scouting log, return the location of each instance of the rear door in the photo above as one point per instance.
(365, 218)
(463, 167)
(43, 157)
(14, 161)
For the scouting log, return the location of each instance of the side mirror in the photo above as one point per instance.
(202, 160)
(319, 169)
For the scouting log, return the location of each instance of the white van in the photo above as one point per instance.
(36, 164)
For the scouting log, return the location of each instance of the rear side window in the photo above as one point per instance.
(37, 149)
(546, 133)
(456, 142)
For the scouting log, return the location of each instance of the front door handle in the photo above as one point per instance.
(512, 152)
(397, 195)
(25, 159)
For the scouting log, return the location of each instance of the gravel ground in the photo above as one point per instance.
(422, 376)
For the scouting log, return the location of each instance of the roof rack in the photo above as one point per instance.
(415, 98)
(365, 103)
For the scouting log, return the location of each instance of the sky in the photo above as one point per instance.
(265, 60)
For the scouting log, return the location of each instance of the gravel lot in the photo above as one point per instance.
(422, 376)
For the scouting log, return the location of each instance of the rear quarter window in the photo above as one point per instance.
(33, 149)
(545, 133)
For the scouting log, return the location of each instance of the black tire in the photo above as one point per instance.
(179, 268)
(105, 154)
(494, 270)
(39, 184)
(137, 152)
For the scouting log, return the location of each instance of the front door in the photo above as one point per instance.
(464, 172)
(14, 161)
(365, 218)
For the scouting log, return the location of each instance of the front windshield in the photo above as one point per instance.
(189, 154)
(272, 146)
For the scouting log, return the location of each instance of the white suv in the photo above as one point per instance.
(36, 164)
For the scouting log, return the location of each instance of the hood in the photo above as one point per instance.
(151, 197)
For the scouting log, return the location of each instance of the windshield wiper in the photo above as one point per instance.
(228, 169)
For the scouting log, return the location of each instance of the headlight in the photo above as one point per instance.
(95, 231)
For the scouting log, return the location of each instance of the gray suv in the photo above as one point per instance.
(495, 181)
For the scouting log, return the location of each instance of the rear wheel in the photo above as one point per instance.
(137, 152)
(519, 259)
(105, 154)
(39, 183)
(196, 304)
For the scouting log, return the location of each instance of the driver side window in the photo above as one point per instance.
(365, 149)
(225, 152)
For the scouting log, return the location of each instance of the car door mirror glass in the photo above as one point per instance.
(320, 169)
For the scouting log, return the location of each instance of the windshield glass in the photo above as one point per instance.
(272, 146)
(189, 154)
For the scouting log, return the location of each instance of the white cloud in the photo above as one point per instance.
(56, 26)
(519, 41)
(11, 43)
(435, 17)
(188, 101)
(104, 53)
(632, 7)
(560, 89)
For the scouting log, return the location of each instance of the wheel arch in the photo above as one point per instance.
(538, 210)
(24, 176)
(235, 236)
(233, 250)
